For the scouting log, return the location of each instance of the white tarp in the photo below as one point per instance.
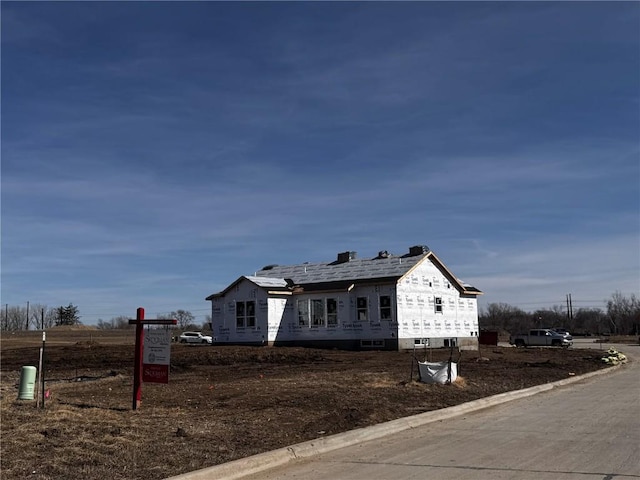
(437, 372)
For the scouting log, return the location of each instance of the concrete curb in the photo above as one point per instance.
(250, 465)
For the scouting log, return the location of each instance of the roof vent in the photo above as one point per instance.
(269, 267)
(418, 250)
(383, 254)
(345, 257)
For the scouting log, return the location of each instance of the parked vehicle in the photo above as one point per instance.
(563, 331)
(541, 337)
(195, 337)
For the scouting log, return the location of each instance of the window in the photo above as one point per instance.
(317, 312)
(362, 310)
(303, 312)
(246, 314)
(385, 307)
(438, 304)
(372, 343)
(240, 315)
(332, 311)
(251, 314)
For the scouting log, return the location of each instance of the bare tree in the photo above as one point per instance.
(38, 314)
(184, 317)
(15, 318)
(50, 317)
(102, 325)
(588, 321)
(503, 316)
(121, 322)
(624, 313)
(207, 324)
(116, 323)
(546, 318)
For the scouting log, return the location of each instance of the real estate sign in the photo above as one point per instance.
(156, 356)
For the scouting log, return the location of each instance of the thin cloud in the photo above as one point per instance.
(190, 147)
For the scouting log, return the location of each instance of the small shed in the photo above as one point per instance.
(488, 337)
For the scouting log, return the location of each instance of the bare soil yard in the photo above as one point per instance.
(225, 403)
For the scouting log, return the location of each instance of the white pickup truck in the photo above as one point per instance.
(541, 337)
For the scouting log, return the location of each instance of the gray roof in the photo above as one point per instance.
(267, 282)
(354, 269)
(344, 271)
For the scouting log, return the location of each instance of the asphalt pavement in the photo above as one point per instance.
(584, 428)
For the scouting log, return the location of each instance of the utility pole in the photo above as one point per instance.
(570, 310)
(42, 318)
(27, 316)
(6, 317)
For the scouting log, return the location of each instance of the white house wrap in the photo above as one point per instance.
(385, 302)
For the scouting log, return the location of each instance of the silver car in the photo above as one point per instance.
(195, 337)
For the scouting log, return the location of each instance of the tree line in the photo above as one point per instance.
(620, 316)
(38, 317)
(184, 318)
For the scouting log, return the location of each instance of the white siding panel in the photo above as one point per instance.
(277, 308)
(417, 306)
(415, 313)
(224, 315)
(283, 317)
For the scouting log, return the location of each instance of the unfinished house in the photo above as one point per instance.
(386, 302)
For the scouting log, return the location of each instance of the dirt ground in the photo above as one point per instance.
(225, 403)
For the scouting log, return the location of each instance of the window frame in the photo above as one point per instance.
(438, 305)
(250, 313)
(385, 308)
(360, 309)
(332, 317)
(245, 314)
(240, 314)
(304, 315)
(317, 312)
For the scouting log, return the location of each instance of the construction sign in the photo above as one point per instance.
(156, 356)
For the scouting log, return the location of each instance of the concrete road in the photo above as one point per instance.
(586, 430)
(579, 428)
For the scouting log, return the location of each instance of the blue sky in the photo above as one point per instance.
(153, 152)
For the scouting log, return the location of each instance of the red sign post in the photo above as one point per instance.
(139, 369)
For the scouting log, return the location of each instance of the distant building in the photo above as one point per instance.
(387, 302)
